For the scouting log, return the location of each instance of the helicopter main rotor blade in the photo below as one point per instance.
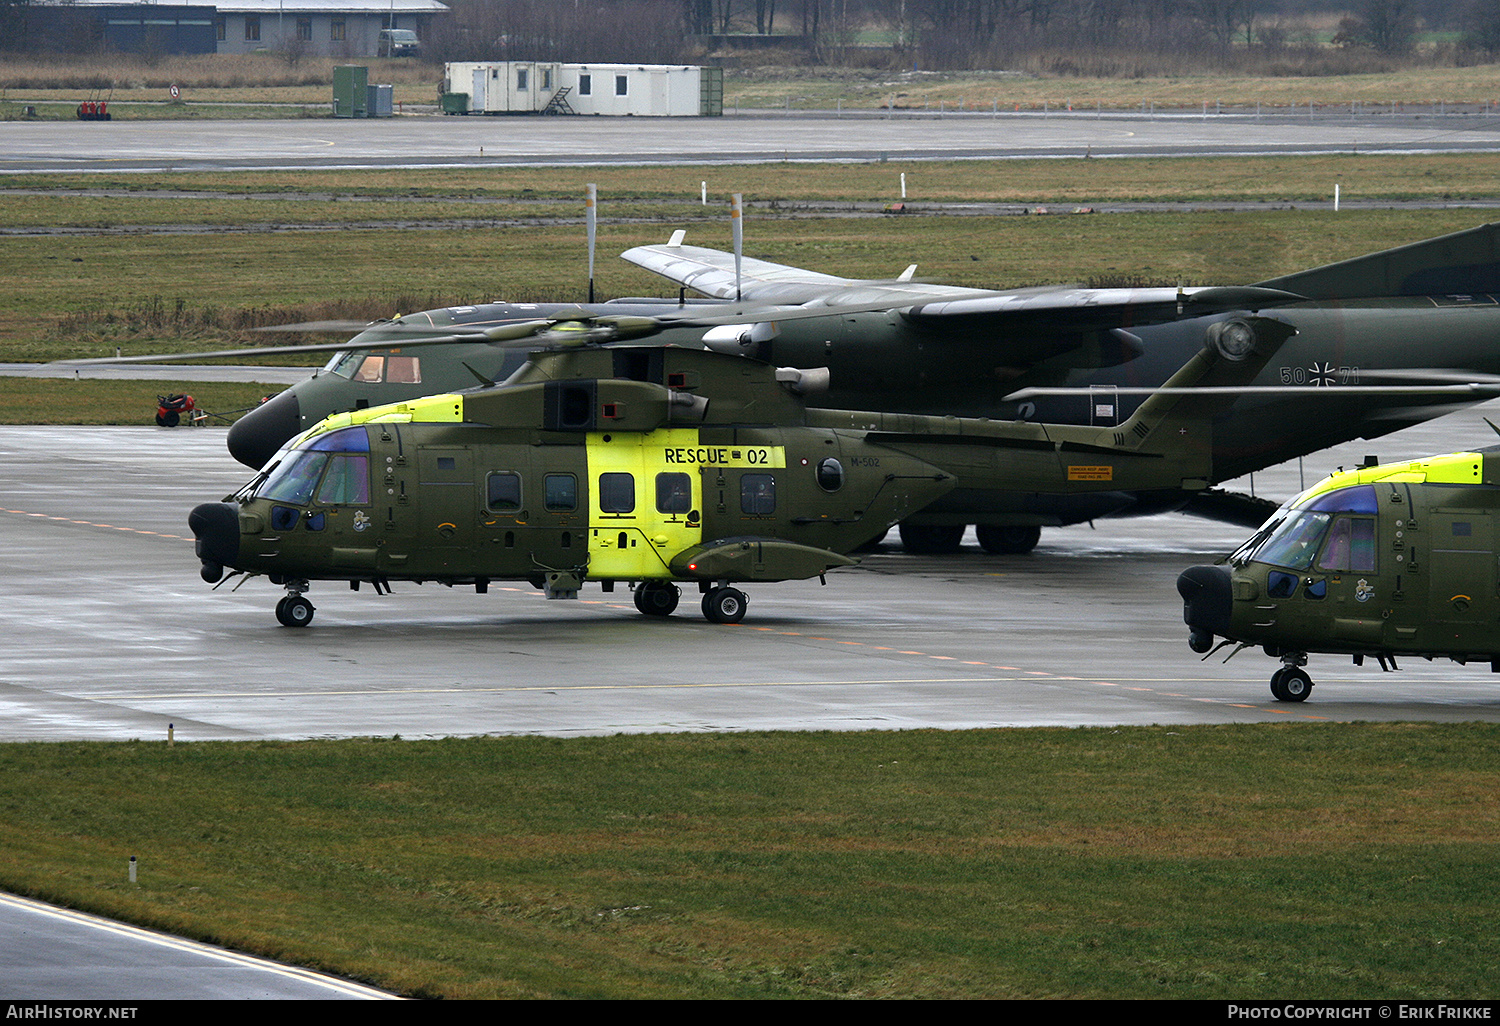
(501, 333)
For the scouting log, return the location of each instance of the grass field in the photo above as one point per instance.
(147, 266)
(209, 84)
(1273, 861)
(83, 296)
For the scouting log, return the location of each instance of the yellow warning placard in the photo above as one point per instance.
(1105, 473)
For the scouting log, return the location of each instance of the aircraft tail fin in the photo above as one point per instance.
(1461, 263)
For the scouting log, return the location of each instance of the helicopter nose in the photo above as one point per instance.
(216, 525)
(1207, 601)
(255, 437)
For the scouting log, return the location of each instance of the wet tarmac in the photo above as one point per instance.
(112, 635)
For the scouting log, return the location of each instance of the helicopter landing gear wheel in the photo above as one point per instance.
(931, 539)
(1007, 541)
(657, 598)
(724, 605)
(1291, 684)
(294, 611)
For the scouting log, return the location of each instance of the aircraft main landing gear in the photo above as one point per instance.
(1007, 541)
(657, 598)
(724, 605)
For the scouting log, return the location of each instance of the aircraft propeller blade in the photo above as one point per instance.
(1329, 391)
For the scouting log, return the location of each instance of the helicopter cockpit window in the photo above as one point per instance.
(354, 439)
(346, 482)
(1294, 543)
(371, 369)
(294, 478)
(1355, 499)
(1351, 546)
(1292, 537)
(504, 491)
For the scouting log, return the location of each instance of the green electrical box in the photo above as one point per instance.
(711, 92)
(351, 85)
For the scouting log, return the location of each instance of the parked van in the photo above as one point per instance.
(398, 43)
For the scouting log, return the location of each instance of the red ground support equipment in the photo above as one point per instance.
(170, 408)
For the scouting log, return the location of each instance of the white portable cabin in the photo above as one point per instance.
(506, 87)
(643, 90)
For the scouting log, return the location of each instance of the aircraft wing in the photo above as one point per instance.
(968, 313)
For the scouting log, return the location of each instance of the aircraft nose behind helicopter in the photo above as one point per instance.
(1377, 562)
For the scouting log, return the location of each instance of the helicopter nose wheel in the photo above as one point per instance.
(1291, 684)
(294, 611)
(724, 605)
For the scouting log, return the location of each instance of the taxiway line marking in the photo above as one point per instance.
(152, 697)
(1139, 686)
(90, 523)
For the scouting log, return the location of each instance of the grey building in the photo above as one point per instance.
(333, 28)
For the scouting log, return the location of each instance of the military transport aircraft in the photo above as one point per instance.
(1377, 562)
(658, 465)
(903, 346)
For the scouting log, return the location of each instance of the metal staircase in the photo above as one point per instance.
(559, 102)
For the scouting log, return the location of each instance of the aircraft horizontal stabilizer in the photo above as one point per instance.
(1464, 262)
(1230, 507)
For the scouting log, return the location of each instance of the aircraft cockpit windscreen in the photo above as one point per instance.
(1292, 537)
(372, 368)
(333, 468)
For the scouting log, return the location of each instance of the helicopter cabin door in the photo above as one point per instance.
(1462, 571)
(446, 499)
(645, 502)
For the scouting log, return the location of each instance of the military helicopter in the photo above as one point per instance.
(657, 465)
(905, 346)
(1376, 562)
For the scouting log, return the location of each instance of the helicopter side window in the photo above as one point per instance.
(504, 491)
(561, 492)
(346, 482)
(674, 493)
(758, 494)
(617, 493)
